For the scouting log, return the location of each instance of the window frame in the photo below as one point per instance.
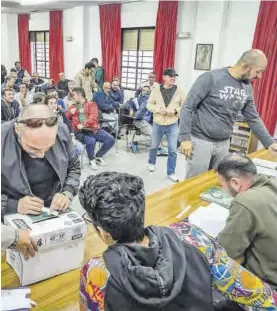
(137, 52)
(40, 61)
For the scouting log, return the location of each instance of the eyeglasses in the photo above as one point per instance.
(87, 219)
(38, 122)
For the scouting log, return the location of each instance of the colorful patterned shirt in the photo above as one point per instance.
(231, 279)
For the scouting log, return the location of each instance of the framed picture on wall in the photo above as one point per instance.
(203, 56)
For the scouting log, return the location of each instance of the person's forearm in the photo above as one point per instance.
(258, 128)
(186, 113)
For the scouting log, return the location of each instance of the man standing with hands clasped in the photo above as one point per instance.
(165, 103)
(208, 114)
(39, 166)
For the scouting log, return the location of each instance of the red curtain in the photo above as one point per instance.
(56, 61)
(165, 37)
(110, 27)
(24, 42)
(265, 39)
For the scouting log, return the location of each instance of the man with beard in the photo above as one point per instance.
(208, 114)
(68, 99)
(250, 234)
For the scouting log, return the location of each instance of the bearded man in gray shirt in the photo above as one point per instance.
(208, 114)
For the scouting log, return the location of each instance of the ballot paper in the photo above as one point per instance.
(211, 218)
(16, 299)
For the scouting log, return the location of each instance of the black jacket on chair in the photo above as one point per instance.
(4, 111)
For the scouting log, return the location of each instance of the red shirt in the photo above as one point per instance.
(91, 113)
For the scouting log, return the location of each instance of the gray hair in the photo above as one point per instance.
(25, 111)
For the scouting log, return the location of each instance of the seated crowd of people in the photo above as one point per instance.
(178, 267)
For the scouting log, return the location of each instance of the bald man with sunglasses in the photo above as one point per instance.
(39, 165)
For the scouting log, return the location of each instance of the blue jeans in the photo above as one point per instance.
(171, 132)
(90, 139)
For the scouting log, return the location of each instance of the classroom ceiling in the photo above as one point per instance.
(15, 6)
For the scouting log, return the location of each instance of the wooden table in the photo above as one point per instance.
(60, 293)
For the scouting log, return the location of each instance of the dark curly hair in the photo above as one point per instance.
(116, 203)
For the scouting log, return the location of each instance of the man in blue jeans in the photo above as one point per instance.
(165, 103)
(84, 119)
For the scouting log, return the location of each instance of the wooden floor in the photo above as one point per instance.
(61, 293)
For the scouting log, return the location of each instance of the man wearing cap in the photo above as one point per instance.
(165, 103)
(208, 114)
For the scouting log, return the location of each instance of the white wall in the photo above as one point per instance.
(139, 14)
(92, 43)
(73, 26)
(187, 12)
(9, 40)
(239, 30)
(39, 21)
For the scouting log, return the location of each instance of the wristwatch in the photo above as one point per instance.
(68, 194)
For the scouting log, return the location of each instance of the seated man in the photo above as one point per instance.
(68, 99)
(48, 86)
(9, 84)
(9, 107)
(24, 97)
(30, 86)
(151, 82)
(155, 268)
(84, 119)
(36, 80)
(39, 165)
(116, 93)
(108, 107)
(63, 83)
(143, 116)
(60, 102)
(250, 234)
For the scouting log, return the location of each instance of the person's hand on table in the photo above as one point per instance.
(30, 205)
(26, 245)
(60, 202)
(273, 149)
(80, 126)
(186, 148)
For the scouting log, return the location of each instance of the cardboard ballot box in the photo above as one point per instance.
(61, 242)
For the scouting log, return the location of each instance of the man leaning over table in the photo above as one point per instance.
(157, 268)
(39, 166)
(208, 114)
(250, 233)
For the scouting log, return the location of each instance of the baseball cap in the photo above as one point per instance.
(170, 72)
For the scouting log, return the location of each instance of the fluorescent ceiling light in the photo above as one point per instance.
(36, 2)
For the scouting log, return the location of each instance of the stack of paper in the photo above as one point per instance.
(211, 219)
(265, 167)
(217, 195)
(16, 299)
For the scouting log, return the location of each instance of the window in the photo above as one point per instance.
(40, 52)
(137, 56)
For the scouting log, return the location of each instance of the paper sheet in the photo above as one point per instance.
(16, 299)
(211, 219)
(265, 163)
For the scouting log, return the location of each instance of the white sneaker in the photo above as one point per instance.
(173, 177)
(151, 167)
(100, 162)
(93, 165)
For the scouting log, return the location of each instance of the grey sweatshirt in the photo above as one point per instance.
(212, 104)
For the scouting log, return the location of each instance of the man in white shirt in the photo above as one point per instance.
(151, 82)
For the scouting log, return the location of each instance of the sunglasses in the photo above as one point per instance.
(38, 122)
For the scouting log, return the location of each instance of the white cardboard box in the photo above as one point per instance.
(61, 243)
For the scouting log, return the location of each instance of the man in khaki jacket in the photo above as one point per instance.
(85, 79)
(165, 103)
